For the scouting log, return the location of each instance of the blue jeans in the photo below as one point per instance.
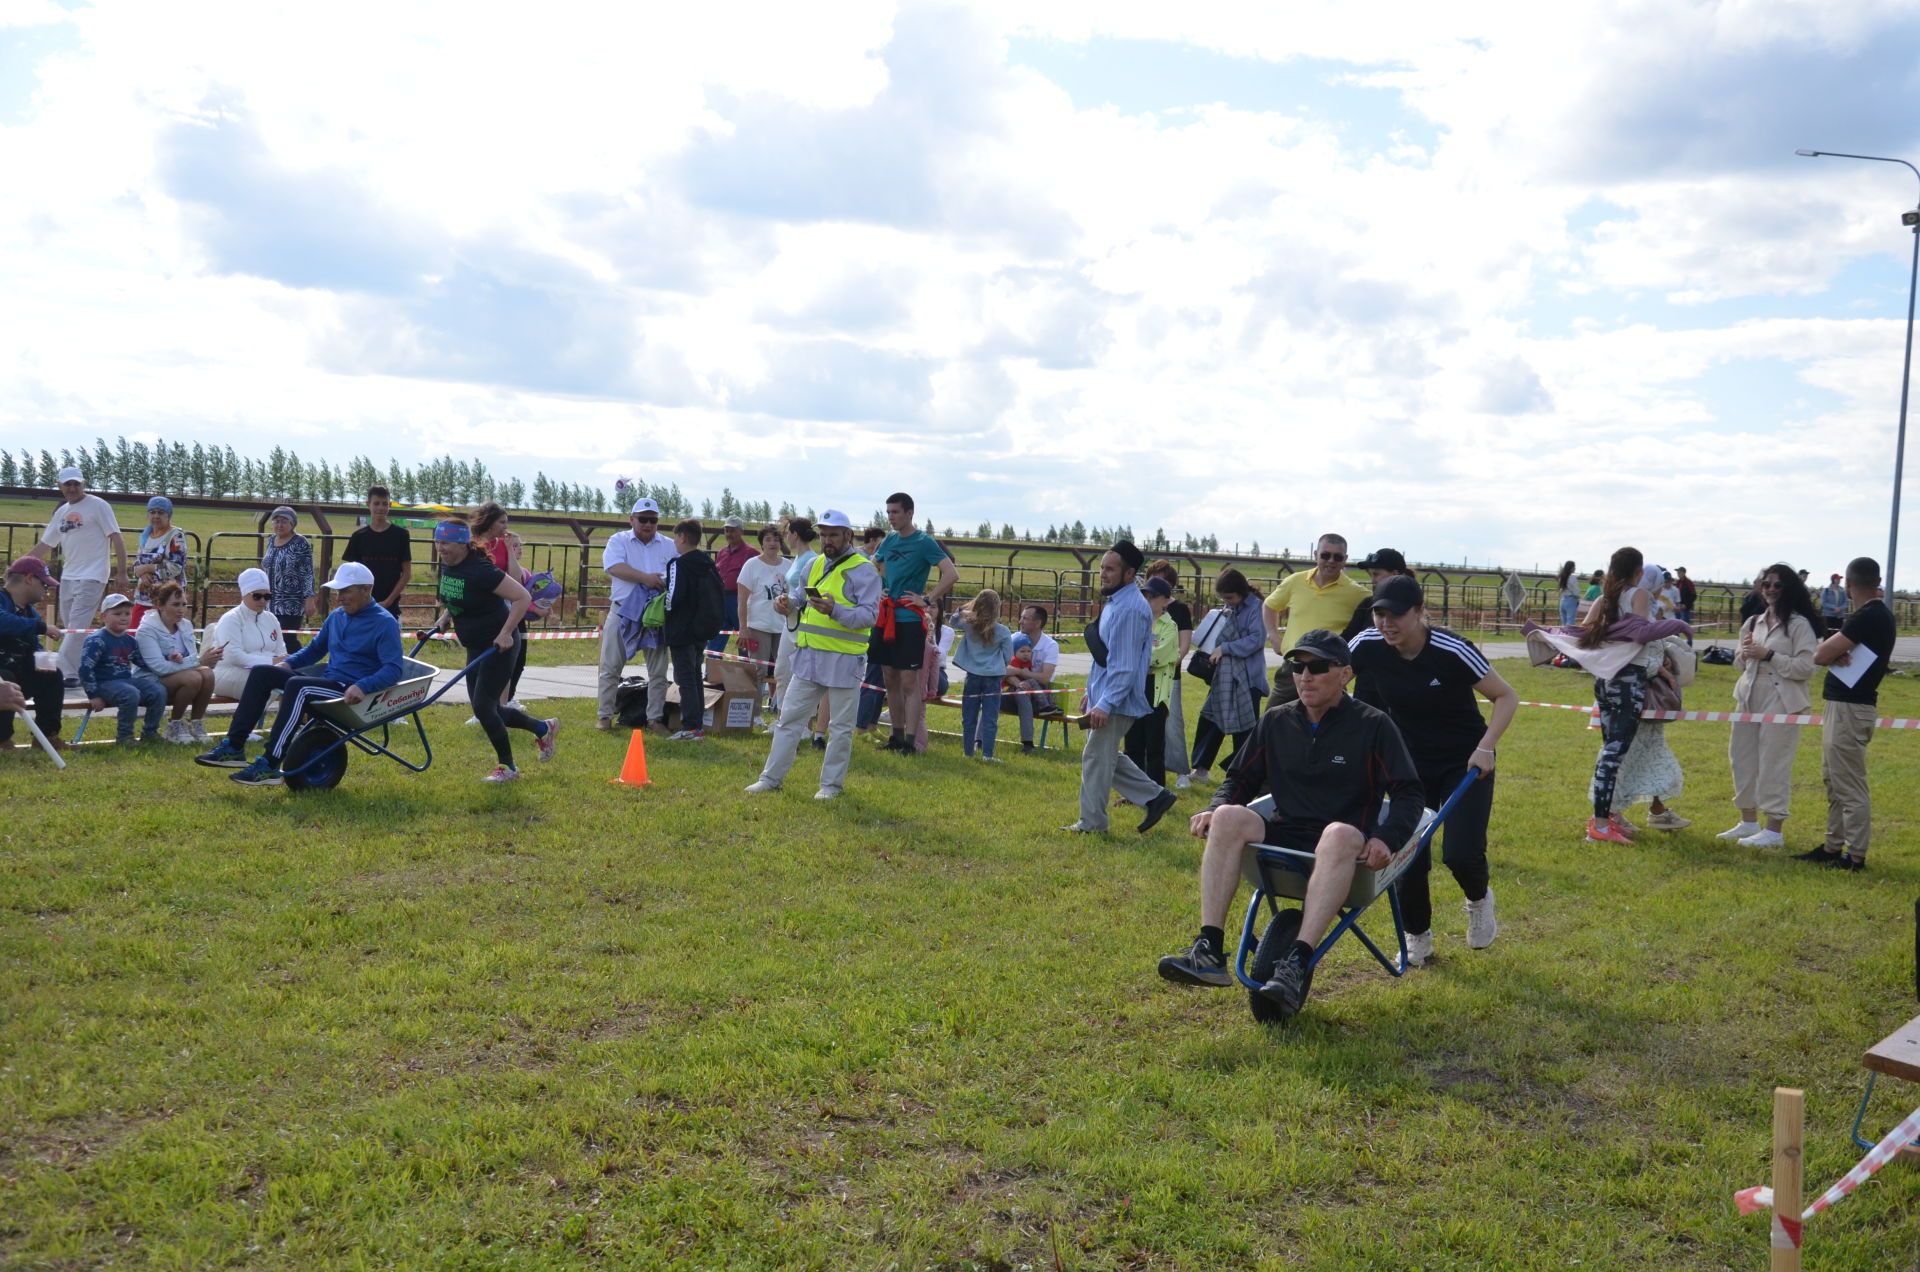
(129, 696)
(980, 714)
(1569, 608)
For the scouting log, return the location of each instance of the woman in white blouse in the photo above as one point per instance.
(247, 636)
(167, 646)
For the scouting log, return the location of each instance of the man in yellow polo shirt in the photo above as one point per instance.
(1321, 597)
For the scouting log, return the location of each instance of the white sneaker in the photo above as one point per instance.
(1668, 820)
(827, 792)
(176, 732)
(1764, 839)
(513, 704)
(1419, 948)
(199, 731)
(1741, 831)
(1482, 927)
(762, 786)
(473, 719)
(1181, 782)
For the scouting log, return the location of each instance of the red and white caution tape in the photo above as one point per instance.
(1728, 717)
(1786, 1227)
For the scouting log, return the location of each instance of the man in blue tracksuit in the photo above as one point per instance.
(361, 643)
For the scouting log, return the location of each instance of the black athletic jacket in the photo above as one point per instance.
(1339, 773)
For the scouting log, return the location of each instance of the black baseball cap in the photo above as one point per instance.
(1399, 594)
(1384, 559)
(1320, 643)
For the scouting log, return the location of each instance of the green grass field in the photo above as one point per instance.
(421, 1022)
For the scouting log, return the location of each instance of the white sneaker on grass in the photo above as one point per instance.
(1667, 819)
(473, 719)
(1763, 839)
(513, 704)
(176, 733)
(1740, 831)
(1182, 782)
(1419, 948)
(198, 731)
(1482, 927)
(762, 787)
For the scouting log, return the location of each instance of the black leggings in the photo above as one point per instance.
(483, 691)
(519, 662)
(1207, 737)
(1620, 701)
(289, 624)
(1465, 838)
(1146, 744)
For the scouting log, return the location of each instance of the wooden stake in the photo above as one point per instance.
(1789, 1125)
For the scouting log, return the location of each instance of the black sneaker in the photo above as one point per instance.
(1822, 855)
(1289, 985)
(1026, 748)
(1200, 965)
(1844, 862)
(819, 743)
(1156, 809)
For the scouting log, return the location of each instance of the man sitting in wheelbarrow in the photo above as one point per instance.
(1327, 761)
(361, 643)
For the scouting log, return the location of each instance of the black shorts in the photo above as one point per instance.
(1291, 835)
(907, 651)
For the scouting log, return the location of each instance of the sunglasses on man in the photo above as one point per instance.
(1311, 667)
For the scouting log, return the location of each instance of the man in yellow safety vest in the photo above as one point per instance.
(842, 599)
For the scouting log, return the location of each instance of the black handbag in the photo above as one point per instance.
(1200, 666)
(1096, 646)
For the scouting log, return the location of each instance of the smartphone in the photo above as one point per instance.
(815, 593)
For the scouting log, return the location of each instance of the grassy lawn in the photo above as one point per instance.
(421, 1022)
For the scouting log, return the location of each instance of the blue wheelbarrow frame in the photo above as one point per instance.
(1276, 872)
(316, 763)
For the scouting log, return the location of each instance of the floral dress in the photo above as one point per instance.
(167, 553)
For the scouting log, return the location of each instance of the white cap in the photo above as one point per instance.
(113, 600)
(255, 580)
(644, 505)
(70, 474)
(835, 517)
(350, 574)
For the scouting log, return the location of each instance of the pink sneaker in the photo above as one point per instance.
(502, 774)
(548, 743)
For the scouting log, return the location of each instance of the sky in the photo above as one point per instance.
(1495, 283)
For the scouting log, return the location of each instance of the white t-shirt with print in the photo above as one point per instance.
(81, 531)
(765, 584)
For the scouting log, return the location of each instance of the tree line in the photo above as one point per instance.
(174, 468)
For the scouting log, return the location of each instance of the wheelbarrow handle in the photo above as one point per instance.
(1473, 775)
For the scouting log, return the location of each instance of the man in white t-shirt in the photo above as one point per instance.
(83, 529)
(1043, 659)
(635, 558)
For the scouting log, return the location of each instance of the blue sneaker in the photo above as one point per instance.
(225, 755)
(259, 773)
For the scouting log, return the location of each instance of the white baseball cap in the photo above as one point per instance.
(69, 474)
(350, 574)
(835, 517)
(114, 600)
(644, 505)
(254, 580)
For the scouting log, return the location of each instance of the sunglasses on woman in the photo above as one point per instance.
(259, 596)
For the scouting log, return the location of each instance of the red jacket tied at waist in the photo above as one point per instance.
(885, 621)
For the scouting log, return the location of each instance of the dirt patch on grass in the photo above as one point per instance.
(71, 1142)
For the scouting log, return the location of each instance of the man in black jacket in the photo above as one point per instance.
(695, 615)
(1328, 761)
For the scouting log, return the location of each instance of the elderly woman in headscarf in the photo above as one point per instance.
(1239, 673)
(288, 562)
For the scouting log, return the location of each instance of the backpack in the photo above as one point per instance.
(1718, 655)
(630, 702)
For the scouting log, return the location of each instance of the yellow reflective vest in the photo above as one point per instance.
(823, 631)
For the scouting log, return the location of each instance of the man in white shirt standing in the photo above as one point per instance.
(83, 529)
(635, 562)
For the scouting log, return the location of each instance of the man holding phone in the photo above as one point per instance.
(841, 600)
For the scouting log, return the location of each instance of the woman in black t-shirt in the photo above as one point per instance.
(1426, 678)
(485, 607)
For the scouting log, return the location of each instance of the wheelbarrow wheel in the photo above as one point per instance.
(302, 775)
(1274, 943)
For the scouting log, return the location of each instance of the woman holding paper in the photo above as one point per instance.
(1776, 669)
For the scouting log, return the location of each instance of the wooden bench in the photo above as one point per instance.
(1898, 1056)
(1047, 719)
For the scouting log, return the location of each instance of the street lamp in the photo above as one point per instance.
(1912, 221)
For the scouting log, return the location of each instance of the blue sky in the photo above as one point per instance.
(1483, 282)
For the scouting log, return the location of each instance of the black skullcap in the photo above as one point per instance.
(1127, 552)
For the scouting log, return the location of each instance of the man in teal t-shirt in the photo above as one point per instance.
(899, 643)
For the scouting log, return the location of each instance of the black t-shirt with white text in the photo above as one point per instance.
(1430, 696)
(467, 591)
(1871, 625)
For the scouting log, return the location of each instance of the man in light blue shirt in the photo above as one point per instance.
(1121, 642)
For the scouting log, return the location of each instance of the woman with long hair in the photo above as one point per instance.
(502, 546)
(985, 649)
(1612, 645)
(1232, 707)
(1569, 595)
(1651, 771)
(1776, 673)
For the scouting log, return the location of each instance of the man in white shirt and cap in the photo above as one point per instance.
(84, 530)
(842, 600)
(635, 562)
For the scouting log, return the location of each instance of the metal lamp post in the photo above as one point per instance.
(1912, 221)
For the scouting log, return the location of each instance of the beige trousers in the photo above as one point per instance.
(1843, 766)
(1762, 760)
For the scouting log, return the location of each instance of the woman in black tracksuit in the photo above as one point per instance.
(485, 608)
(1426, 678)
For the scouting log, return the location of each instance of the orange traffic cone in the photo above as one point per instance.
(634, 771)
